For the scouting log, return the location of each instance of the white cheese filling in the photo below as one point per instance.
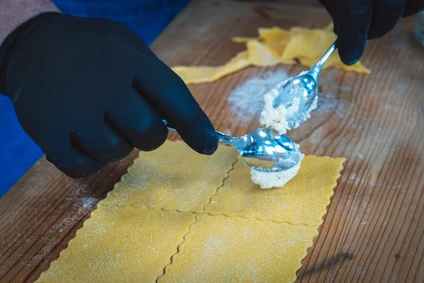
(282, 118)
(286, 116)
(268, 180)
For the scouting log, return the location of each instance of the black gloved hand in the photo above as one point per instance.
(89, 90)
(356, 21)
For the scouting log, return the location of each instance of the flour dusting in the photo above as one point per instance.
(247, 99)
(88, 203)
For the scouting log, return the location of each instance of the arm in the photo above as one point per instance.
(15, 12)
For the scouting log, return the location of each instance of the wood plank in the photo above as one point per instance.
(374, 228)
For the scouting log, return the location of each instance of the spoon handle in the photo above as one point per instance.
(318, 65)
(227, 139)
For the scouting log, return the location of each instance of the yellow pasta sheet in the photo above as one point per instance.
(224, 249)
(210, 74)
(274, 46)
(301, 201)
(173, 177)
(178, 216)
(121, 244)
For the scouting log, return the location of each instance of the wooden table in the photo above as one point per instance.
(374, 229)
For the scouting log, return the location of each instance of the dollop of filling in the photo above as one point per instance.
(288, 115)
(268, 180)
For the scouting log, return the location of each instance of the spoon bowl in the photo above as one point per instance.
(303, 87)
(264, 150)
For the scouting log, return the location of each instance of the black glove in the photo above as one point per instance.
(88, 90)
(356, 21)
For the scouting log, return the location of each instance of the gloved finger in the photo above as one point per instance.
(351, 24)
(128, 35)
(71, 161)
(413, 7)
(102, 142)
(386, 14)
(169, 95)
(138, 122)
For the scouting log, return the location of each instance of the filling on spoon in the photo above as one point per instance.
(291, 110)
(286, 116)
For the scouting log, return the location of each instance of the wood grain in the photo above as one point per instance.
(374, 229)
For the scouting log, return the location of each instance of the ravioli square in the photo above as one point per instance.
(173, 177)
(302, 201)
(234, 249)
(121, 244)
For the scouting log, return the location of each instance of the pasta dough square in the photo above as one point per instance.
(132, 236)
(122, 244)
(202, 74)
(173, 177)
(274, 46)
(223, 249)
(303, 200)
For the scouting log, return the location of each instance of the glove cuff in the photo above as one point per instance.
(15, 39)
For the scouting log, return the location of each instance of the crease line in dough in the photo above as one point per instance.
(258, 219)
(220, 186)
(171, 259)
(237, 216)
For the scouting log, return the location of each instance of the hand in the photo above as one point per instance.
(356, 21)
(89, 90)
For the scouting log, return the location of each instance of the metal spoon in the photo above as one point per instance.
(303, 86)
(263, 149)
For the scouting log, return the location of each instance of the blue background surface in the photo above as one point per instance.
(146, 17)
